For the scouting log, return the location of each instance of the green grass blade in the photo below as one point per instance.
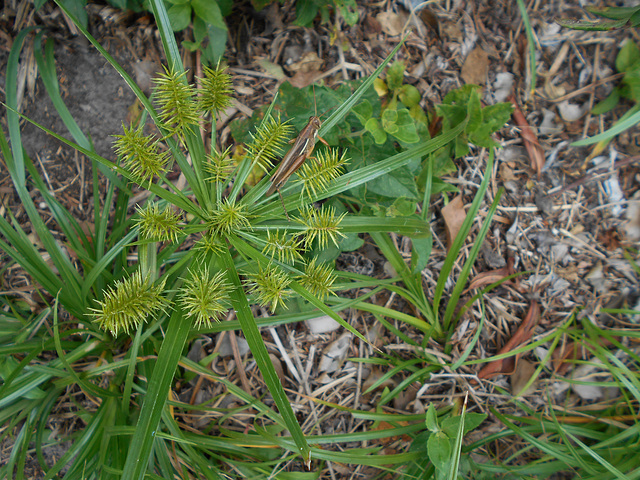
(412, 281)
(105, 261)
(16, 166)
(175, 149)
(531, 41)
(164, 370)
(630, 119)
(260, 354)
(86, 443)
(179, 200)
(452, 302)
(454, 466)
(31, 379)
(47, 69)
(166, 35)
(456, 246)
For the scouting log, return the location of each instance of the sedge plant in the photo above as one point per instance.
(109, 312)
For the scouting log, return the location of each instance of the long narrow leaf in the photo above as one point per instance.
(157, 394)
(456, 246)
(260, 354)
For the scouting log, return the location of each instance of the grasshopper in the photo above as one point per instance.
(302, 149)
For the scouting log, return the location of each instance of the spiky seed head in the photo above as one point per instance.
(285, 247)
(229, 217)
(204, 297)
(216, 91)
(318, 279)
(219, 165)
(322, 224)
(157, 225)
(176, 100)
(129, 303)
(140, 155)
(268, 142)
(269, 286)
(317, 172)
(209, 243)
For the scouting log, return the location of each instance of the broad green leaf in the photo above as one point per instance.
(350, 242)
(402, 207)
(395, 75)
(472, 421)
(409, 95)
(406, 128)
(363, 111)
(439, 450)
(431, 419)
(396, 184)
(209, 11)
(631, 81)
(494, 117)
(628, 55)
(420, 253)
(77, 8)
(225, 7)
(389, 118)
(374, 127)
(306, 11)
(179, 16)
(217, 43)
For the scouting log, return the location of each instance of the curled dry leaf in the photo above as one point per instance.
(392, 23)
(277, 365)
(307, 70)
(475, 67)
(375, 375)
(507, 366)
(536, 154)
(521, 376)
(493, 276)
(454, 215)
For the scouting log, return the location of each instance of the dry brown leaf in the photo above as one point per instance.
(493, 276)
(475, 67)
(272, 69)
(372, 27)
(406, 396)
(454, 215)
(535, 151)
(375, 375)
(505, 173)
(308, 63)
(303, 79)
(430, 20)
(392, 23)
(507, 366)
(277, 365)
(521, 376)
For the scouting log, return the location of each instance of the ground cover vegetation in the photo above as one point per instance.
(164, 323)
